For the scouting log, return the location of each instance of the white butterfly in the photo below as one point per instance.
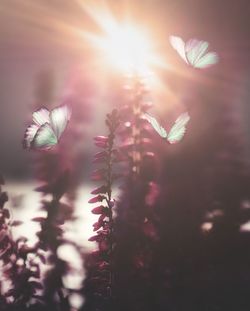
(47, 128)
(177, 131)
(193, 52)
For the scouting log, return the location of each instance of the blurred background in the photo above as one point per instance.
(46, 59)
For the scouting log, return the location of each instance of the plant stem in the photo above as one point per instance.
(136, 128)
(109, 203)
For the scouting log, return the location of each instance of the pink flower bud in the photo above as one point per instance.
(99, 190)
(98, 210)
(96, 199)
(101, 138)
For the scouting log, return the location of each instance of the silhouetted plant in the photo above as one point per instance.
(51, 237)
(55, 171)
(100, 283)
(21, 274)
(136, 218)
(51, 171)
(6, 247)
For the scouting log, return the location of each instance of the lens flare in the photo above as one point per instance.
(121, 44)
(127, 48)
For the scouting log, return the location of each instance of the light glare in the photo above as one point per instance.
(128, 49)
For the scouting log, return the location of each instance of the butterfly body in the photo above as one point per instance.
(194, 52)
(177, 131)
(47, 128)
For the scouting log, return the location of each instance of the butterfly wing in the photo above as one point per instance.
(41, 116)
(179, 128)
(179, 45)
(207, 60)
(159, 129)
(29, 135)
(45, 138)
(195, 50)
(59, 118)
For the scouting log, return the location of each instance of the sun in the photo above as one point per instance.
(127, 48)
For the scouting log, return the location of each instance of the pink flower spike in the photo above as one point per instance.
(96, 199)
(98, 174)
(101, 138)
(95, 253)
(98, 210)
(153, 194)
(103, 265)
(99, 190)
(93, 238)
(146, 141)
(150, 154)
(100, 154)
(101, 218)
(99, 160)
(97, 225)
(101, 144)
(103, 245)
(99, 237)
(97, 177)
